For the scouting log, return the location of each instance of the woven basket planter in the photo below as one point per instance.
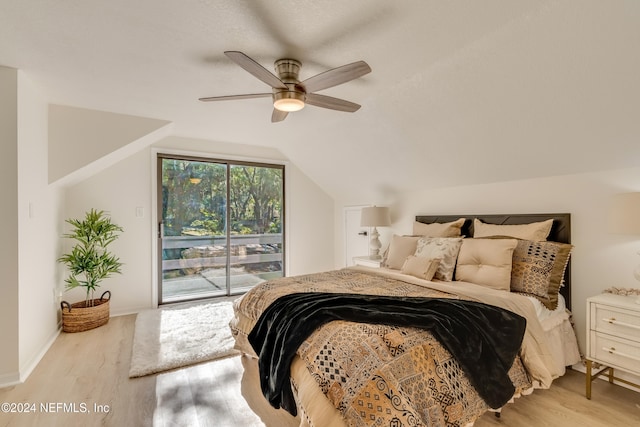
(77, 318)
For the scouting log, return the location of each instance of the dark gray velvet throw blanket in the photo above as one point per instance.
(482, 338)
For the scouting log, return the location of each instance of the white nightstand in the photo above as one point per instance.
(613, 336)
(367, 261)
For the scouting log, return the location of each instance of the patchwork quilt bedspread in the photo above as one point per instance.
(383, 375)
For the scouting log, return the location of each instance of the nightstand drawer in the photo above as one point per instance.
(614, 351)
(616, 321)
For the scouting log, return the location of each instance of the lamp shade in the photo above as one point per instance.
(375, 216)
(624, 217)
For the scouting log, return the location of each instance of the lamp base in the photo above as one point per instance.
(375, 245)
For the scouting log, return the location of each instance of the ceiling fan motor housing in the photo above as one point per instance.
(288, 70)
(293, 98)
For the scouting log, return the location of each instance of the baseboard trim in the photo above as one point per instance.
(128, 311)
(31, 365)
(8, 380)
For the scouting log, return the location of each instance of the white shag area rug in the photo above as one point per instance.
(181, 335)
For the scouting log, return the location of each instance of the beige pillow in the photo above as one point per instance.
(400, 248)
(536, 231)
(486, 262)
(538, 269)
(436, 229)
(421, 267)
(444, 248)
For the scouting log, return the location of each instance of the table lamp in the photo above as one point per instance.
(625, 219)
(375, 216)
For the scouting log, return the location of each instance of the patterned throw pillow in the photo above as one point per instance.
(444, 248)
(538, 269)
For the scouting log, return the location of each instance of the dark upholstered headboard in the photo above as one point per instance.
(560, 232)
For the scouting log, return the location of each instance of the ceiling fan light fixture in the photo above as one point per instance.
(288, 104)
(288, 100)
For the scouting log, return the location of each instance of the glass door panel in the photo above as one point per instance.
(193, 232)
(221, 230)
(256, 201)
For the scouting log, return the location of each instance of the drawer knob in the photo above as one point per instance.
(613, 350)
(612, 320)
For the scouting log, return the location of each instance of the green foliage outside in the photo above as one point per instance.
(195, 198)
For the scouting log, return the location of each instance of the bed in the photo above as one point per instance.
(349, 372)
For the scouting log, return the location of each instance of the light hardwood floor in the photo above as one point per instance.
(90, 370)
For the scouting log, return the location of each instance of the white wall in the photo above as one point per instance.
(123, 187)
(9, 360)
(119, 190)
(310, 233)
(39, 218)
(81, 138)
(600, 260)
(30, 215)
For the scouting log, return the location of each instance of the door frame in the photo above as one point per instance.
(345, 231)
(156, 261)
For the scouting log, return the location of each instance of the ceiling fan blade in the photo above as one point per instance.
(278, 116)
(336, 76)
(229, 97)
(331, 103)
(256, 69)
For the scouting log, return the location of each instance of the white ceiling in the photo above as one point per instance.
(461, 92)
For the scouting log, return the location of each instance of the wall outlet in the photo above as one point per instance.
(57, 296)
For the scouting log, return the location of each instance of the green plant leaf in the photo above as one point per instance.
(89, 262)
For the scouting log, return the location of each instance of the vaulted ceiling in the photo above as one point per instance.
(461, 92)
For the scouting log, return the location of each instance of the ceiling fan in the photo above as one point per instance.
(288, 92)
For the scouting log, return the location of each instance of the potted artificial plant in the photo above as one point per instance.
(89, 262)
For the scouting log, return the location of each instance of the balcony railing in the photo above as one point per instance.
(202, 252)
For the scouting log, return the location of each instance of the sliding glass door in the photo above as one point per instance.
(221, 226)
